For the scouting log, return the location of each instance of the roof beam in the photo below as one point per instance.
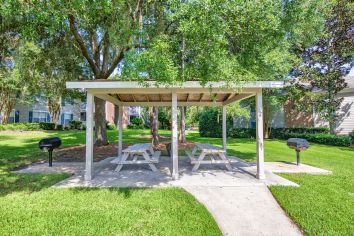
(119, 97)
(133, 98)
(201, 96)
(228, 97)
(168, 104)
(109, 98)
(238, 97)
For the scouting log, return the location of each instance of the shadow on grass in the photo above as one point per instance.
(27, 183)
(126, 192)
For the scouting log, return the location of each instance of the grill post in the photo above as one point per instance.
(297, 157)
(50, 154)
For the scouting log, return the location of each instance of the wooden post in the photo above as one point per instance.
(174, 137)
(224, 133)
(89, 136)
(120, 131)
(260, 145)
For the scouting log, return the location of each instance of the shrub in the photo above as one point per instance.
(328, 139)
(136, 123)
(60, 127)
(46, 126)
(242, 133)
(111, 126)
(281, 133)
(209, 123)
(75, 124)
(82, 126)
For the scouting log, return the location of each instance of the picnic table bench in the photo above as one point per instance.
(216, 154)
(138, 154)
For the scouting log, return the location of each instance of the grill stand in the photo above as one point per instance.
(297, 157)
(50, 157)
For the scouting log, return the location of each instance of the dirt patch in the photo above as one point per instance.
(77, 153)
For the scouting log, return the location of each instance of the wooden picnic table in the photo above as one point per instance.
(142, 153)
(201, 150)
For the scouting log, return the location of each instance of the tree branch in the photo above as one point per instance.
(115, 63)
(82, 46)
(105, 52)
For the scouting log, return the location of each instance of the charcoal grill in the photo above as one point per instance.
(299, 145)
(49, 144)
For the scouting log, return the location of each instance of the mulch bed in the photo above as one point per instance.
(77, 153)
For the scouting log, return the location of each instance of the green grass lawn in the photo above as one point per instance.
(321, 205)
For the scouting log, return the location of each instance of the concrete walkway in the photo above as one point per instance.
(240, 203)
(247, 210)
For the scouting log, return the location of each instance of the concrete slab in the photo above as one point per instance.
(291, 167)
(242, 174)
(240, 203)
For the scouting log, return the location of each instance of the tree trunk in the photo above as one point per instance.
(100, 122)
(154, 125)
(182, 136)
(8, 103)
(54, 107)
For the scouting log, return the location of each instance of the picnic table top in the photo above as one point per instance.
(208, 146)
(139, 147)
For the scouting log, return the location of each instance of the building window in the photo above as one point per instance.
(83, 116)
(14, 117)
(67, 117)
(40, 116)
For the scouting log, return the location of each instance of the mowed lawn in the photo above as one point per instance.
(29, 207)
(321, 205)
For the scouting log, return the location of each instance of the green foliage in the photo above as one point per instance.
(164, 118)
(328, 139)
(242, 133)
(29, 126)
(326, 62)
(210, 123)
(75, 124)
(282, 133)
(136, 123)
(111, 126)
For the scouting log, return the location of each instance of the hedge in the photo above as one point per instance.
(316, 135)
(328, 139)
(282, 133)
(210, 123)
(28, 126)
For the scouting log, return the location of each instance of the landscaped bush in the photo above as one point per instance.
(242, 133)
(111, 126)
(281, 133)
(136, 123)
(209, 123)
(60, 127)
(46, 126)
(75, 124)
(328, 139)
(28, 126)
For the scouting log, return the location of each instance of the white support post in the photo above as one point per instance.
(260, 145)
(224, 133)
(174, 145)
(89, 136)
(120, 131)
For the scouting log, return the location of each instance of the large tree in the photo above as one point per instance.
(102, 31)
(12, 86)
(326, 62)
(42, 65)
